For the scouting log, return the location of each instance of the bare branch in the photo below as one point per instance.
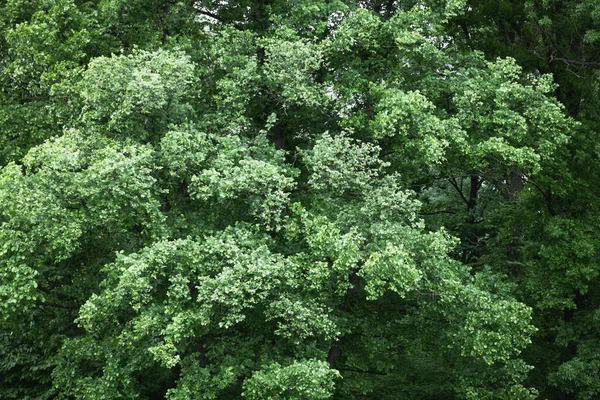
(455, 185)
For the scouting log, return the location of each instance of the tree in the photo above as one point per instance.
(277, 200)
(557, 209)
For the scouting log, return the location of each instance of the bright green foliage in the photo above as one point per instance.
(296, 200)
(136, 95)
(308, 379)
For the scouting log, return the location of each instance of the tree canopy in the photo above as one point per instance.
(299, 199)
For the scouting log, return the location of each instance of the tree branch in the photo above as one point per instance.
(437, 212)
(576, 62)
(547, 196)
(455, 185)
(360, 371)
(56, 305)
(218, 18)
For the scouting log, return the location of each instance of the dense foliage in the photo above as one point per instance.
(304, 199)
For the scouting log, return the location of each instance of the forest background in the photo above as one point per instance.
(299, 199)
